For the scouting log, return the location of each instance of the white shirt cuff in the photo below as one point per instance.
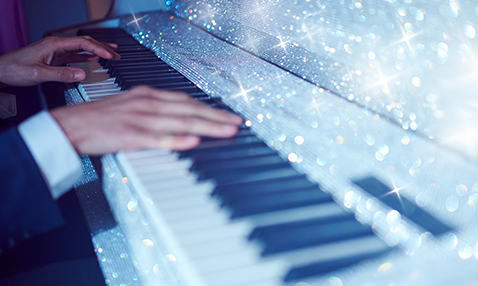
(57, 159)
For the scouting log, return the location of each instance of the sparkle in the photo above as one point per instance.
(384, 82)
(136, 20)
(216, 71)
(283, 44)
(243, 93)
(316, 104)
(396, 191)
(406, 37)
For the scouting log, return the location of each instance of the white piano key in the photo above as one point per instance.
(196, 224)
(132, 156)
(190, 201)
(100, 96)
(247, 274)
(336, 250)
(152, 179)
(196, 211)
(218, 247)
(183, 164)
(162, 159)
(227, 260)
(239, 229)
(296, 214)
(176, 189)
(91, 89)
(98, 79)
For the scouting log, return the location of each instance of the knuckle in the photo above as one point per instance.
(193, 123)
(63, 74)
(141, 103)
(35, 74)
(50, 39)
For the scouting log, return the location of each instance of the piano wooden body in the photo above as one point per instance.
(412, 200)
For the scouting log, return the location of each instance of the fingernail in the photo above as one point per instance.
(77, 75)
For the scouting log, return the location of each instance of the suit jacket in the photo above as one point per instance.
(26, 205)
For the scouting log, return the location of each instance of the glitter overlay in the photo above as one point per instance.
(359, 97)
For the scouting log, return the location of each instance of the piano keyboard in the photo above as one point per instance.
(240, 214)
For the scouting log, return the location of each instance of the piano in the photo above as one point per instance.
(336, 177)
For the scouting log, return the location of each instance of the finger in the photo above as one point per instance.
(79, 58)
(182, 125)
(171, 142)
(188, 108)
(86, 43)
(111, 45)
(61, 74)
(145, 91)
(107, 46)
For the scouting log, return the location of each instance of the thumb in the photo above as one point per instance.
(62, 74)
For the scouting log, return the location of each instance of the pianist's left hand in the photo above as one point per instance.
(142, 118)
(42, 61)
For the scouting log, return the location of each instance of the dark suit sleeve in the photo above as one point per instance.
(26, 205)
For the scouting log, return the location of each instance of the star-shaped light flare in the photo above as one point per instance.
(243, 93)
(406, 37)
(308, 34)
(383, 81)
(316, 105)
(136, 20)
(282, 44)
(396, 190)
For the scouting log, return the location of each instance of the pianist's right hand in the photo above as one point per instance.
(143, 118)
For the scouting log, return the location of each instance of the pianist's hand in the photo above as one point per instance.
(42, 61)
(142, 118)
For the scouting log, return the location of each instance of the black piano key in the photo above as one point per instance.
(139, 73)
(242, 175)
(129, 62)
(214, 166)
(386, 195)
(119, 70)
(232, 154)
(178, 86)
(309, 233)
(240, 133)
(226, 147)
(132, 51)
(268, 231)
(259, 204)
(264, 187)
(157, 74)
(135, 65)
(101, 31)
(165, 79)
(209, 101)
(227, 142)
(327, 266)
(138, 54)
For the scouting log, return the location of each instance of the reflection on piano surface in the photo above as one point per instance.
(391, 205)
